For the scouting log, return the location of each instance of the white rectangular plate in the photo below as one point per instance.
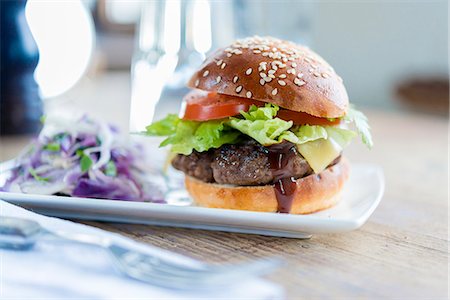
(361, 195)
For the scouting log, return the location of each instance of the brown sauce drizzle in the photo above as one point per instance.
(285, 186)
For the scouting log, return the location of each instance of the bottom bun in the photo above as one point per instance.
(314, 192)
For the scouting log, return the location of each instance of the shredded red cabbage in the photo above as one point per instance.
(86, 159)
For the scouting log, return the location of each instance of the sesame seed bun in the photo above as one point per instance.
(276, 71)
(314, 192)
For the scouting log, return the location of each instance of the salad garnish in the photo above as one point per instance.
(85, 158)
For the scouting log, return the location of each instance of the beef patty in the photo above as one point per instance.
(241, 164)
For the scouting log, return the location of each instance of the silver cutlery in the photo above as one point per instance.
(22, 234)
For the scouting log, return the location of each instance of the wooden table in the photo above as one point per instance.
(401, 252)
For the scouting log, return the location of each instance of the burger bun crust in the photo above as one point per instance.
(274, 71)
(314, 192)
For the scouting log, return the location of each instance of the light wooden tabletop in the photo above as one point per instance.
(401, 252)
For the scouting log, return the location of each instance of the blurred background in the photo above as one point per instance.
(139, 54)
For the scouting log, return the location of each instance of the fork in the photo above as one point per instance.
(22, 234)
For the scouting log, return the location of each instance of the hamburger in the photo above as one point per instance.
(263, 129)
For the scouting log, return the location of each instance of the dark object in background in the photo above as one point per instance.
(426, 95)
(20, 103)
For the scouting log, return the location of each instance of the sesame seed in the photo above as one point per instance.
(282, 76)
(197, 82)
(219, 62)
(256, 51)
(218, 79)
(274, 91)
(267, 79)
(281, 82)
(249, 71)
(271, 76)
(325, 75)
(229, 54)
(262, 81)
(262, 74)
(294, 64)
(307, 59)
(228, 50)
(291, 71)
(271, 72)
(205, 73)
(239, 89)
(223, 66)
(300, 75)
(299, 82)
(249, 94)
(265, 54)
(317, 74)
(235, 79)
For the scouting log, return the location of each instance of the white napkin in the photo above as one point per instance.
(64, 270)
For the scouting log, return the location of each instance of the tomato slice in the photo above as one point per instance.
(301, 118)
(202, 106)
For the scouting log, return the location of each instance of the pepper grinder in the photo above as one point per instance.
(20, 102)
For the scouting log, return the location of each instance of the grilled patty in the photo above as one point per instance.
(241, 164)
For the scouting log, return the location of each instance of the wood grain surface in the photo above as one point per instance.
(401, 252)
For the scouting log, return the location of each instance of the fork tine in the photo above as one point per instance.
(194, 282)
(168, 274)
(193, 279)
(165, 266)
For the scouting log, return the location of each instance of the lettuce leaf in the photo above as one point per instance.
(260, 124)
(164, 127)
(341, 136)
(213, 134)
(308, 133)
(186, 136)
(268, 112)
(361, 124)
(266, 132)
(182, 138)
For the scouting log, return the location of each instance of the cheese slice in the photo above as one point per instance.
(320, 153)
